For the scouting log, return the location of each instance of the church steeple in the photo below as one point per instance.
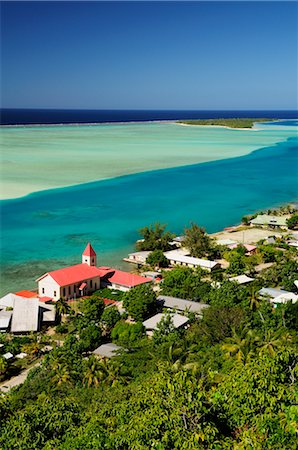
(89, 256)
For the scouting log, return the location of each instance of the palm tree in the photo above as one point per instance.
(61, 375)
(33, 348)
(274, 341)
(62, 308)
(96, 371)
(255, 302)
(241, 346)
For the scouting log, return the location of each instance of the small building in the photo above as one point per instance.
(178, 241)
(284, 298)
(272, 292)
(242, 279)
(152, 275)
(151, 323)
(107, 350)
(138, 257)
(8, 356)
(264, 220)
(120, 280)
(25, 317)
(177, 259)
(180, 304)
(74, 281)
(25, 314)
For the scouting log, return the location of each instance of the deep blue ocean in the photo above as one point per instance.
(57, 116)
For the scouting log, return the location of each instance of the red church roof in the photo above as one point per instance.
(123, 278)
(89, 250)
(73, 274)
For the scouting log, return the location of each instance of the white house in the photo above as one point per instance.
(264, 220)
(73, 281)
(138, 257)
(177, 259)
(151, 323)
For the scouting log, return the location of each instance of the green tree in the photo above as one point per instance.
(183, 282)
(155, 237)
(109, 318)
(292, 222)
(92, 308)
(140, 302)
(237, 262)
(157, 259)
(90, 337)
(127, 334)
(197, 241)
(95, 371)
(62, 308)
(165, 330)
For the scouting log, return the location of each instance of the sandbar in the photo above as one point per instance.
(37, 158)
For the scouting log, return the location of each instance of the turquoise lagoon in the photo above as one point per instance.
(49, 229)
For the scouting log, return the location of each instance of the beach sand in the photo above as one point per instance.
(37, 158)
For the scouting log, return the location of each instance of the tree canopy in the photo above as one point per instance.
(140, 302)
(154, 237)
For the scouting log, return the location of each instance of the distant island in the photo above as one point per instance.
(231, 123)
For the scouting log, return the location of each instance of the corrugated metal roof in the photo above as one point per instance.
(25, 315)
(177, 257)
(272, 292)
(107, 350)
(241, 279)
(152, 322)
(181, 304)
(264, 219)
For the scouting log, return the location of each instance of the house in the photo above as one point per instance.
(74, 281)
(156, 276)
(242, 279)
(25, 317)
(107, 350)
(180, 304)
(177, 259)
(138, 257)
(178, 241)
(151, 323)
(277, 296)
(120, 280)
(264, 220)
(24, 314)
(284, 298)
(271, 292)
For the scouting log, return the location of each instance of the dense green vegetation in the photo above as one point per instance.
(154, 237)
(232, 123)
(228, 381)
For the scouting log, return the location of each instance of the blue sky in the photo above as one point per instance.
(149, 55)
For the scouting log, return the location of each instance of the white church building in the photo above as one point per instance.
(71, 282)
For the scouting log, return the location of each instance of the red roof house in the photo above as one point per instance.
(69, 282)
(118, 279)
